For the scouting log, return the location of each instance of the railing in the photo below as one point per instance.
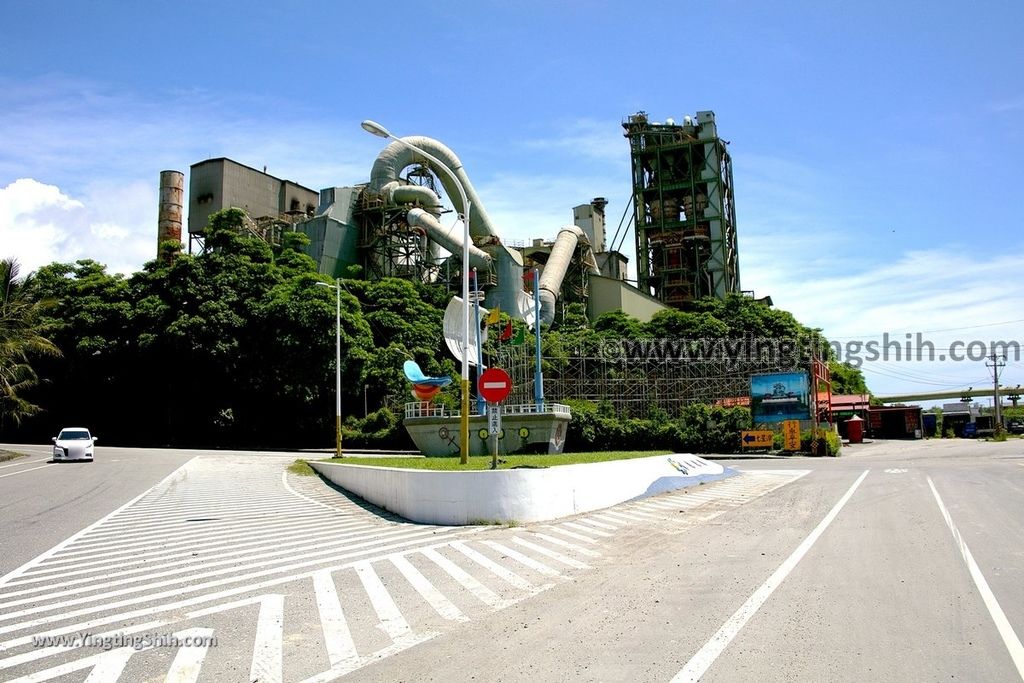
(421, 409)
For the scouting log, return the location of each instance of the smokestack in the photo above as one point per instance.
(172, 195)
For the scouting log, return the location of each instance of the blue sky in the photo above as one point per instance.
(877, 146)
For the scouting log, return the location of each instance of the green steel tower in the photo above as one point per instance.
(685, 214)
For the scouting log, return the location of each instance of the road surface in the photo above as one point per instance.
(897, 561)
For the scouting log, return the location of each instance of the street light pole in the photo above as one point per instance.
(380, 131)
(337, 364)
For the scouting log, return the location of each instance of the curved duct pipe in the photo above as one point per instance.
(558, 263)
(397, 156)
(398, 193)
(452, 241)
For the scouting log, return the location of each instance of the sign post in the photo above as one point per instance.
(494, 386)
(791, 435)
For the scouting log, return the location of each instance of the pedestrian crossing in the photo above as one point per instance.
(311, 583)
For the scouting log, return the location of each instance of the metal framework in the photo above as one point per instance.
(636, 386)
(389, 246)
(685, 215)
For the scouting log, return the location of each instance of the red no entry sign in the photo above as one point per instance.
(494, 385)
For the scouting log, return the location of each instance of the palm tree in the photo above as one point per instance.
(21, 338)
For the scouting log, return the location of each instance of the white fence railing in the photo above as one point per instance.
(422, 409)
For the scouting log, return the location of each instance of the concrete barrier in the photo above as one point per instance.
(518, 495)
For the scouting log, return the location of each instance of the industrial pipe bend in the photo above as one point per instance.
(449, 239)
(397, 156)
(554, 270)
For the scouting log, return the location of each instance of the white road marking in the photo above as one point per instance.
(1006, 631)
(391, 620)
(482, 592)
(571, 534)
(30, 469)
(895, 470)
(586, 530)
(23, 462)
(106, 668)
(565, 544)
(71, 539)
(40, 653)
(549, 553)
(268, 649)
(706, 656)
(434, 597)
(189, 659)
(341, 649)
(487, 563)
(523, 559)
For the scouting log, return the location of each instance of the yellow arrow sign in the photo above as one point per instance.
(758, 438)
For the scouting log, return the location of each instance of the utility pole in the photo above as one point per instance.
(998, 362)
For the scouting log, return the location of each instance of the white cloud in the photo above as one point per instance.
(40, 224)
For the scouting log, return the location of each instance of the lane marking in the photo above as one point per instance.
(523, 559)
(1006, 631)
(43, 652)
(390, 619)
(268, 649)
(706, 656)
(558, 557)
(41, 467)
(480, 591)
(487, 563)
(189, 660)
(71, 539)
(434, 597)
(23, 462)
(341, 649)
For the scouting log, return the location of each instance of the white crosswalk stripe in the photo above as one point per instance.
(289, 561)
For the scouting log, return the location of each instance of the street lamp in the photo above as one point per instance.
(380, 131)
(337, 363)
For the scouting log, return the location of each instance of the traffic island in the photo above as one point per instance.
(518, 495)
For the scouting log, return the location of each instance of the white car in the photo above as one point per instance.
(73, 443)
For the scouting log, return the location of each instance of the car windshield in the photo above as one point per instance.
(74, 435)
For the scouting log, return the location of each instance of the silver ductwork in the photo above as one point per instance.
(556, 267)
(449, 239)
(398, 193)
(396, 156)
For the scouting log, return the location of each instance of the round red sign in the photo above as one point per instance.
(494, 385)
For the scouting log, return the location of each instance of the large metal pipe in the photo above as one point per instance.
(396, 156)
(399, 194)
(450, 240)
(554, 270)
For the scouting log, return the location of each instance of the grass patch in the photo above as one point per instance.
(505, 462)
(10, 455)
(301, 468)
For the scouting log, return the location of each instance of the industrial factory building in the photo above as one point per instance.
(683, 210)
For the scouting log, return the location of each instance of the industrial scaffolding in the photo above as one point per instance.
(685, 215)
(634, 387)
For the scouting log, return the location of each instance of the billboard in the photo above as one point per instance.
(780, 396)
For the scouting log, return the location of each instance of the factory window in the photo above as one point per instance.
(204, 198)
(310, 209)
(294, 205)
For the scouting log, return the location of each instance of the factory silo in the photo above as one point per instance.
(172, 196)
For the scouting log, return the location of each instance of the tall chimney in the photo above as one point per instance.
(172, 195)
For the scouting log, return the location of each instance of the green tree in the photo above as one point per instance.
(846, 379)
(21, 338)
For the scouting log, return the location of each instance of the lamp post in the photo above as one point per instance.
(380, 131)
(337, 363)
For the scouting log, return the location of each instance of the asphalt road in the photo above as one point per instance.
(897, 561)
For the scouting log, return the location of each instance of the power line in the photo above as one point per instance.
(944, 329)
